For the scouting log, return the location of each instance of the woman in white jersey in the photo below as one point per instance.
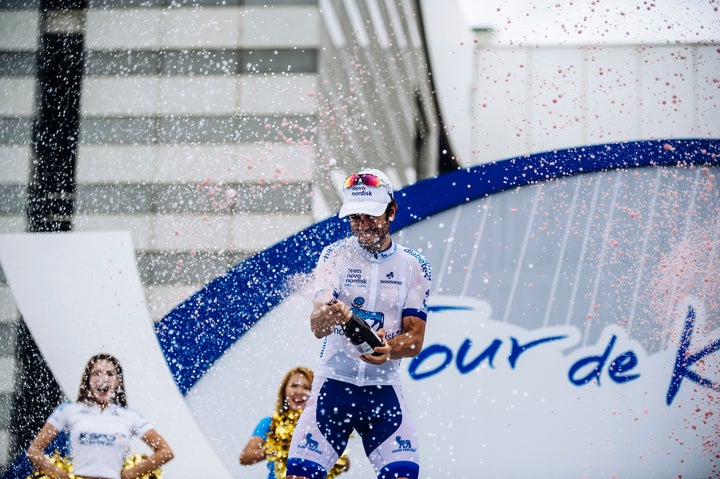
(386, 286)
(100, 426)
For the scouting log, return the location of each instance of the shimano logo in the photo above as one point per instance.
(390, 279)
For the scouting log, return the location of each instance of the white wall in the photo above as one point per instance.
(533, 99)
(555, 74)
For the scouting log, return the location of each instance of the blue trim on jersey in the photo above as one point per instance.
(197, 332)
(415, 312)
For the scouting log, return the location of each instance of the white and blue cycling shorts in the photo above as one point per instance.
(377, 413)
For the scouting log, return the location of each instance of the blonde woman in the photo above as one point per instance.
(271, 438)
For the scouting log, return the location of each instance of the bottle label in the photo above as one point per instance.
(365, 348)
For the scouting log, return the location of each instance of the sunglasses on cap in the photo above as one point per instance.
(366, 179)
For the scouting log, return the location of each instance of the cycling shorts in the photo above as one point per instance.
(378, 414)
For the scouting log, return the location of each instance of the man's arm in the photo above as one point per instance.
(409, 343)
(325, 316)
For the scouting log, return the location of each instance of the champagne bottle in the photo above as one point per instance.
(362, 335)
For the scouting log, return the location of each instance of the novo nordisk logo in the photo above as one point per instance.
(404, 445)
(360, 192)
(310, 444)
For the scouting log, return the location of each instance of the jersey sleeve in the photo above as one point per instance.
(261, 430)
(140, 423)
(419, 290)
(59, 418)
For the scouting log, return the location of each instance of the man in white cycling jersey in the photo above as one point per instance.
(387, 286)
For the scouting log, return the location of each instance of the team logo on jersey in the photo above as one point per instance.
(354, 277)
(375, 319)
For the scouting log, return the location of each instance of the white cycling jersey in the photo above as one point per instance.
(380, 288)
(99, 440)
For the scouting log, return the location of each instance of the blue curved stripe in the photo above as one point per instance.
(441, 308)
(197, 332)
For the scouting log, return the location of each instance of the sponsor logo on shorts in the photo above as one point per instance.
(310, 444)
(404, 445)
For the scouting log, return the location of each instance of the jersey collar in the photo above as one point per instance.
(377, 257)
